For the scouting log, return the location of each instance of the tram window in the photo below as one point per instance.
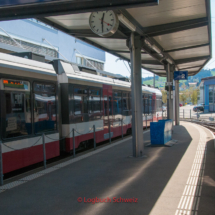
(45, 118)
(49, 88)
(143, 105)
(105, 106)
(95, 104)
(117, 103)
(153, 107)
(110, 105)
(78, 105)
(130, 103)
(150, 104)
(125, 104)
(44, 112)
(18, 114)
(146, 104)
(157, 103)
(80, 101)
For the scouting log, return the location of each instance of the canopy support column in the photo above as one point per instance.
(169, 91)
(176, 102)
(135, 45)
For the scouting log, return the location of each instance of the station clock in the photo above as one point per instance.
(104, 23)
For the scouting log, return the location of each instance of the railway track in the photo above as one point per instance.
(209, 125)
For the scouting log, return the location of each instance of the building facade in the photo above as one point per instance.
(201, 93)
(209, 94)
(34, 36)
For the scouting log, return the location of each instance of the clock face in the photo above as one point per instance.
(104, 23)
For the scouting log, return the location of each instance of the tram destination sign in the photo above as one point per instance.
(16, 9)
(180, 75)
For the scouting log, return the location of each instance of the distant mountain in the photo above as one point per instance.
(160, 81)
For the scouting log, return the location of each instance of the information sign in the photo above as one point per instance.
(181, 75)
(169, 84)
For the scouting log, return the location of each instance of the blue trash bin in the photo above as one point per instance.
(161, 132)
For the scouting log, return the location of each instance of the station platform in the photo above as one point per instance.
(167, 181)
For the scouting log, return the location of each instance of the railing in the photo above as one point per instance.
(43, 135)
(73, 131)
(198, 115)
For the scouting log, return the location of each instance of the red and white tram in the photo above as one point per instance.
(28, 108)
(88, 99)
(53, 99)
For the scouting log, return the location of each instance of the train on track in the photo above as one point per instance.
(56, 97)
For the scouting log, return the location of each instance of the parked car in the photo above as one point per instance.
(199, 107)
(164, 108)
(180, 105)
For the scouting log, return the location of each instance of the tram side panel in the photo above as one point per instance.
(25, 114)
(81, 113)
(121, 112)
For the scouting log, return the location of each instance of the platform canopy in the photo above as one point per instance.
(174, 31)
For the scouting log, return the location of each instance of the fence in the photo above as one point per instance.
(199, 115)
(73, 131)
(43, 135)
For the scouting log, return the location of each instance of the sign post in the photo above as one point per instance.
(178, 75)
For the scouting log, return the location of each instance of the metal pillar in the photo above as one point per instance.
(169, 97)
(177, 102)
(94, 137)
(1, 165)
(173, 101)
(122, 127)
(73, 138)
(44, 151)
(136, 89)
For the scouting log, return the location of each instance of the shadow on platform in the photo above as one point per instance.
(107, 174)
(207, 199)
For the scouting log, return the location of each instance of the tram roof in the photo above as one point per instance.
(72, 73)
(19, 63)
(181, 30)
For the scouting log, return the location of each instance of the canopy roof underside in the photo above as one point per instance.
(181, 29)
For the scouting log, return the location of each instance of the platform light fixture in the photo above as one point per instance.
(154, 47)
(126, 22)
(169, 60)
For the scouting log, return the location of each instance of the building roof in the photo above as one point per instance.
(172, 31)
(194, 83)
(208, 78)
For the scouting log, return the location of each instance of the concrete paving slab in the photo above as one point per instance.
(156, 182)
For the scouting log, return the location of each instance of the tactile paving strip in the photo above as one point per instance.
(11, 185)
(63, 164)
(45, 171)
(31, 177)
(189, 201)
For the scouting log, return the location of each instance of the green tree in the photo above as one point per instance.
(183, 97)
(194, 96)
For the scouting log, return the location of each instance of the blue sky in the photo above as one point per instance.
(119, 67)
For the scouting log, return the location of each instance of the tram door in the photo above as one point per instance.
(108, 110)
